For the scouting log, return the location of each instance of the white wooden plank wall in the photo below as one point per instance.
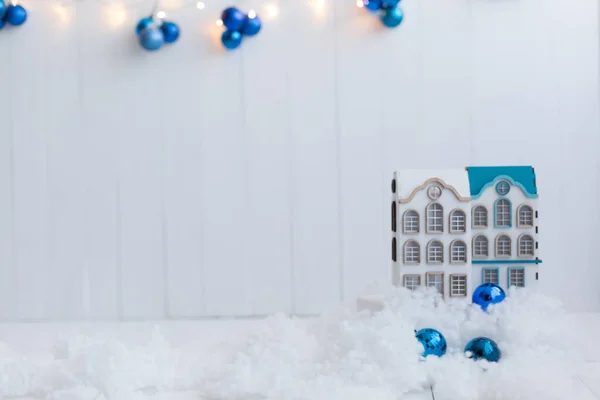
(196, 182)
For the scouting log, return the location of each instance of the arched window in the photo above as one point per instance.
(411, 221)
(458, 252)
(525, 217)
(412, 252)
(435, 252)
(480, 217)
(458, 221)
(503, 212)
(435, 218)
(526, 246)
(480, 246)
(503, 244)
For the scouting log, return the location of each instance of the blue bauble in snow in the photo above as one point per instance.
(170, 31)
(15, 15)
(372, 5)
(233, 19)
(252, 25)
(143, 23)
(2, 9)
(434, 343)
(392, 17)
(231, 39)
(152, 39)
(483, 348)
(488, 293)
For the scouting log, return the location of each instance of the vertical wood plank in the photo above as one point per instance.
(314, 202)
(359, 85)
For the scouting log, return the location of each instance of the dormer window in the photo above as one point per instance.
(434, 192)
(502, 188)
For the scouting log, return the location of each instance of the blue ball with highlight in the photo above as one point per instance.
(372, 5)
(483, 348)
(170, 31)
(2, 10)
(231, 39)
(233, 19)
(15, 15)
(152, 39)
(434, 343)
(143, 23)
(251, 25)
(392, 17)
(488, 294)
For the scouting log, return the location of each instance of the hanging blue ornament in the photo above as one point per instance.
(15, 15)
(233, 19)
(2, 9)
(389, 3)
(392, 17)
(483, 348)
(144, 23)
(252, 24)
(231, 39)
(151, 39)
(488, 293)
(372, 5)
(1, 23)
(170, 31)
(434, 343)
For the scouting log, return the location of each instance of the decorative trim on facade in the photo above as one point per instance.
(492, 262)
(433, 180)
(512, 182)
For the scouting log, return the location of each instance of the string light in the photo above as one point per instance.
(219, 22)
(251, 14)
(114, 15)
(200, 5)
(272, 10)
(64, 14)
(360, 4)
(161, 14)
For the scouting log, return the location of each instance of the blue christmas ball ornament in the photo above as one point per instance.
(252, 25)
(2, 9)
(170, 31)
(231, 39)
(15, 15)
(372, 5)
(144, 23)
(434, 343)
(488, 293)
(389, 3)
(483, 348)
(392, 17)
(1, 23)
(233, 19)
(152, 39)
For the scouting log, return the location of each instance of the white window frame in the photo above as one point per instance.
(435, 221)
(520, 246)
(458, 256)
(520, 279)
(405, 255)
(475, 247)
(502, 216)
(460, 221)
(460, 290)
(496, 272)
(498, 254)
(405, 222)
(440, 275)
(475, 219)
(520, 210)
(441, 252)
(411, 286)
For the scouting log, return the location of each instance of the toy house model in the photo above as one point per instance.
(457, 228)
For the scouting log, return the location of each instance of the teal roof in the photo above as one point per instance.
(481, 178)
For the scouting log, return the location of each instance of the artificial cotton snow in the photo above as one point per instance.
(341, 355)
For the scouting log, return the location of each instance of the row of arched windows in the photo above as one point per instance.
(458, 249)
(458, 220)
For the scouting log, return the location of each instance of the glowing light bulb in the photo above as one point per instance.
(251, 14)
(360, 4)
(161, 14)
(200, 5)
(114, 15)
(219, 22)
(272, 10)
(64, 14)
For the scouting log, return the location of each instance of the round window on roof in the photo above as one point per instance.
(434, 192)
(502, 188)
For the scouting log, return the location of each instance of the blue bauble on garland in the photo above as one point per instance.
(170, 31)
(483, 348)
(151, 39)
(231, 39)
(252, 25)
(144, 23)
(372, 5)
(434, 343)
(389, 3)
(487, 294)
(392, 17)
(15, 15)
(2, 23)
(2, 9)
(233, 19)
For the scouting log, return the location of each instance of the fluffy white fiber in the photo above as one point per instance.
(340, 355)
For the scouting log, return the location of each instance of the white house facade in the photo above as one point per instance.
(454, 229)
